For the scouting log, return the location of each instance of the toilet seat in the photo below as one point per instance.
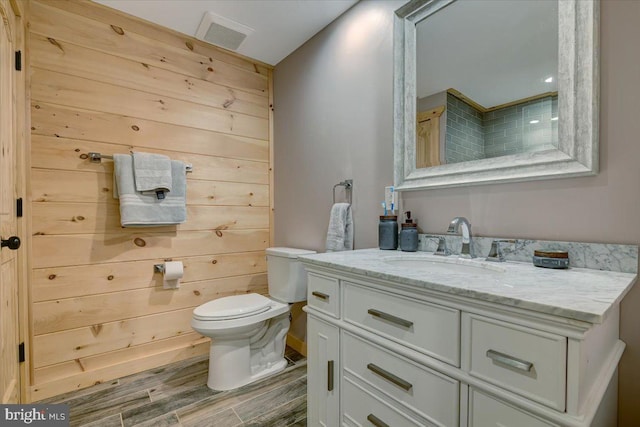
(232, 307)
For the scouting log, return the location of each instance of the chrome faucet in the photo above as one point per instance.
(442, 249)
(454, 226)
(495, 253)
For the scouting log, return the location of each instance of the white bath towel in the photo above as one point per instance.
(340, 232)
(146, 210)
(152, 173)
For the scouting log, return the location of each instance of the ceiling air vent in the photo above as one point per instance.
(222, 32)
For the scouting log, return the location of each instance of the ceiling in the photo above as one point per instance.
(492, 51)
(280, 26)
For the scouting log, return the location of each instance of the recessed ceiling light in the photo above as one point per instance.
(533, 122)
(553, 119)
(548, 80)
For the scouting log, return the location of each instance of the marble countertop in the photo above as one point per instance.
(575, 293)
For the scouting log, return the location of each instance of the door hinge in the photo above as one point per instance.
(19, 207)
(21, 353)
(18, 60)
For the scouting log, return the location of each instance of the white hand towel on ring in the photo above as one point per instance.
(340, 231)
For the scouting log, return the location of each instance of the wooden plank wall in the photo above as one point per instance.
(106, 82)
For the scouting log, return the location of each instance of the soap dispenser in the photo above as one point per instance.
(409, 234)
(388, 232)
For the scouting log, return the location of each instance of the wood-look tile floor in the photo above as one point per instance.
(177, 395)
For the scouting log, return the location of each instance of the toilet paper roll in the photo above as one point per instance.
(173, 272)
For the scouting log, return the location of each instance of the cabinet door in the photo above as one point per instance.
(422, 390)
(526, 361)
(323, 374)
(485, 411)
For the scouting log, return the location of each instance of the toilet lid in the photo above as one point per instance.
(232, 307)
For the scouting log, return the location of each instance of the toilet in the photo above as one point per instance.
(249, 332)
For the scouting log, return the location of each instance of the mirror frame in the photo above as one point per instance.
(578, 107)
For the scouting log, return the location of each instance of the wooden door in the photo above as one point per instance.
(9, 335)
(428, 138)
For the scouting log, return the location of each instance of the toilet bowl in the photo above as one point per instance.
(248, 332)
(248, 335)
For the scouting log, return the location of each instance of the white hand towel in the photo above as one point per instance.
(145, 210)
(340, 232)
(152, 173)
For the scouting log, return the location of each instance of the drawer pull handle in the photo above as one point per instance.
(391, 318)
(376, 421)
(330, 375)
(406, 386)
(510, 361)
(320, 295)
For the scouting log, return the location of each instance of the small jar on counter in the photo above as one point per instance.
(388, 232)
(409, 235)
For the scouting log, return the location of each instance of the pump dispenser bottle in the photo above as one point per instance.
(409, 234)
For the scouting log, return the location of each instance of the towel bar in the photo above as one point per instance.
(97, 158)
(348, 185)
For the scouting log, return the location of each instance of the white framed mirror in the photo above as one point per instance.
(489, 91)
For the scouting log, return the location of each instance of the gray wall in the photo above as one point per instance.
(465, 134)
(333, 120)
(509, 131)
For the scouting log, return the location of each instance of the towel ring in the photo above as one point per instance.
(348, 186)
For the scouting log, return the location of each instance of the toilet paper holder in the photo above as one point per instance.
(172, 272)
(159, 268)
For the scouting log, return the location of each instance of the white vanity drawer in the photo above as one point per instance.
(360, 408)
(524, 360)
(431, 394)
(485, 411)
(429, 328)
(323, 294)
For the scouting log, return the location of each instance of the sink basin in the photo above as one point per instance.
(444, 265)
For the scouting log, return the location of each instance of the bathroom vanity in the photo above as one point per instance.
(397, 339)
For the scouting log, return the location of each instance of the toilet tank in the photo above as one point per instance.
(287, 276)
